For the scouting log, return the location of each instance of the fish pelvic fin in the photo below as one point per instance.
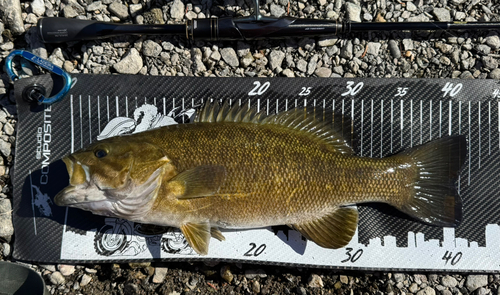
(435, 199)
(332, 128)
(198, 236)
(334, 230)
(198, 182)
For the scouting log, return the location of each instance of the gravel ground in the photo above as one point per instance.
(465, 54)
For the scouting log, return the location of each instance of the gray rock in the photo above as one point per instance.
(31, 18)
(276, 59)
(97, 5)
(49, 267)
(160, 274)
(493, 42)
(6, 226)
(302, 65)
(6, 249)
(131, 63)
(167, 46)
(177, 9)
(118, 9)
(57, 57)
(413, 288)
(346, 50)
(418, 18)
(399, 277)
(489, 62)
(256, 287)
(483, 49)
(427, 291)
(70, 11)
(98, 50)
(5, 148)
(445, 48)
(12, 16)
(277, 10)
(373, 48)
(408, 44)
(327, 41)
(339, 70)
(38, 7)
(198, 66)
(394, 49)
(311, 66)
(445, 60)
(245, 60)
(151, 48)
(288, 73)
(410, 6)
(323, 72)
(254, 273)
(134, 9)
(449, 281)
(57, 278)
(495, 74)
(85, 280)
(66, 269)
(353, 12)
(229, 56)
(442, 14)
(215, 55)
(8, 129)
(154, 16)
(315, 281)
(474, 282)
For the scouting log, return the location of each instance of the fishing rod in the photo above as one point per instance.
(256, 26)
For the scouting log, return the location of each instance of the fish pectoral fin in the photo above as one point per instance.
(198, 236)
(334, 230)
(215, 232)
(198, 182)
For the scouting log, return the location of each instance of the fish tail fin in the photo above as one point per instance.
(435, 199)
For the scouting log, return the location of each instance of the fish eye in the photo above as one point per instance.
(100, 153)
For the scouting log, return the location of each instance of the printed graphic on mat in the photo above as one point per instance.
(388, 116)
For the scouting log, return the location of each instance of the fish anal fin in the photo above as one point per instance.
(334, 230)
(215, 232)
(198, 182)
(198, 236)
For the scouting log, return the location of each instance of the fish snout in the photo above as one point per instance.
(78, 173)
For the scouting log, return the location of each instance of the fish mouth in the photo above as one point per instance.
(80, 189)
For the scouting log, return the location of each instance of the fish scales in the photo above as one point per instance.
(275, 175)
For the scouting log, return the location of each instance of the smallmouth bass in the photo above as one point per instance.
(239, 168)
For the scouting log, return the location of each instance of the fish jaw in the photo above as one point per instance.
(89, 198)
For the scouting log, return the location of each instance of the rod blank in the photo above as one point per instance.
(57, 30)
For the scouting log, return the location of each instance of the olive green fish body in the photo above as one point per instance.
(239, 168)
(275, 175)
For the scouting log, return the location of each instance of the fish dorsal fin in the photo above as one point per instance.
(324, 125)
(334, 230)
(198, 182)
(198, 236)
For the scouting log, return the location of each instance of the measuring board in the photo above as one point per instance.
(388, 116)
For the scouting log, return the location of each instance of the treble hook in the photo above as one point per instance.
(37, 93)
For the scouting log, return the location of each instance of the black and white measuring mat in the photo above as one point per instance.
(388, 115)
